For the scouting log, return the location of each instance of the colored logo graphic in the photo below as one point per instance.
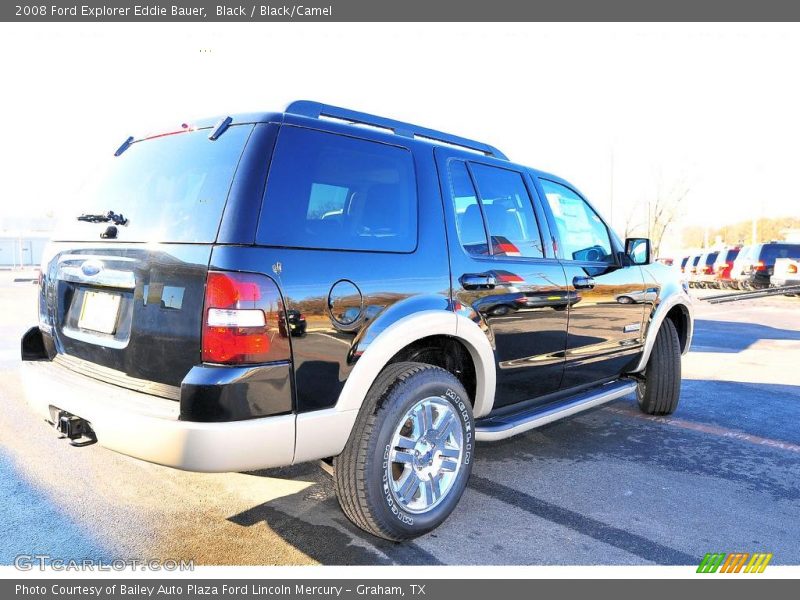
(735, 562)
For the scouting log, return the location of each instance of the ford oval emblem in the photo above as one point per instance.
(90, 268)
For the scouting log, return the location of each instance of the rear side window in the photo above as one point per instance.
(500, 205)
(509, 212)
(171, 188)
(327, 191)
(469, 220)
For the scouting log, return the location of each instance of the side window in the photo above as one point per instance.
(509, 212)
(469, 220)
(334, 192)
(583, 235)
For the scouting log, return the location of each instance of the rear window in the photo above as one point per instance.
(727, 255)
(770, 252)
(328, 191)
(171, 189)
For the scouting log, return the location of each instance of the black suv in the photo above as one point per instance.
(448, 296)
(755, 265)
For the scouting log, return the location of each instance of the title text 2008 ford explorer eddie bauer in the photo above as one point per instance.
(321, 283)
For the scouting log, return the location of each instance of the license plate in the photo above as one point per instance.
(99, 312)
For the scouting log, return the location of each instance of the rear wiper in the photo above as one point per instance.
(109, 217)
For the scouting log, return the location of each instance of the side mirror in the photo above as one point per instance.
(638, 250)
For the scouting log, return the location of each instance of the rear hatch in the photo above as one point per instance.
(122, 293)
(770, 253)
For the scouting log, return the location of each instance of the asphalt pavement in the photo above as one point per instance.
(608, 486)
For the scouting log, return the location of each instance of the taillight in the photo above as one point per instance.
(759, 266)
(707, 270)
(792, 269)
(241, 319)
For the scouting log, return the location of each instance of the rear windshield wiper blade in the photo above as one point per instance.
(109, 217)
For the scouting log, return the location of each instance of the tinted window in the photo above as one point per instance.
(726, 256)
(583, 235)
(770, 252)
(171, 188)
(469, 220)
(508, 211)
(335, 192)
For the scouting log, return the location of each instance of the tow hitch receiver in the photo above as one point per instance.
(76, 430)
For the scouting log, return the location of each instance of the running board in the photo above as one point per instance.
(504, 426)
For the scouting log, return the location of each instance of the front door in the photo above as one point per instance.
(606, 318)
(503, 275)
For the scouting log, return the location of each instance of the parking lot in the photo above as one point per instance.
(609, 486)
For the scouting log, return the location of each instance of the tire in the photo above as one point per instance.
(394, 411)
(659, 388)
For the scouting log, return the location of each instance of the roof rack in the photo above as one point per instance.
(316, 110)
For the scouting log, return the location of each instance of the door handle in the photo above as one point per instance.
(583, 283)
(478, 281)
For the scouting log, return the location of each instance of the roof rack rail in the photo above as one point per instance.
(315, 110)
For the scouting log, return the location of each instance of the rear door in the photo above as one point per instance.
(122, 297)
(606, 317)
(503, 271)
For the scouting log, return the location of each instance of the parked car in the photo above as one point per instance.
(246, 219)
(684, 261)
(648, 295)
(786, 273)
(739, 265)
(691, 270)
(756, 269)
(705, 276)
(723, 266)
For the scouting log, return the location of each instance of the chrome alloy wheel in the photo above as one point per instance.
(425, 455)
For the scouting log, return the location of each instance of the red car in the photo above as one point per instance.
(722, 267)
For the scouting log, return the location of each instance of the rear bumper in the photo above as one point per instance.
(149, 428)
(756, 280)
(784, 281)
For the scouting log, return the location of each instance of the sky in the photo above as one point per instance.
(623, 111)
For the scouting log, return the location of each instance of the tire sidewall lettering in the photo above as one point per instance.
(386, 493)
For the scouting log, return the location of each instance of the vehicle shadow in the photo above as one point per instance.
(313, 522)
(717, 445)
(734, 336)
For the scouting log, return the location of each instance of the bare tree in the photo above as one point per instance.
(665, 210)
(654, 217)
